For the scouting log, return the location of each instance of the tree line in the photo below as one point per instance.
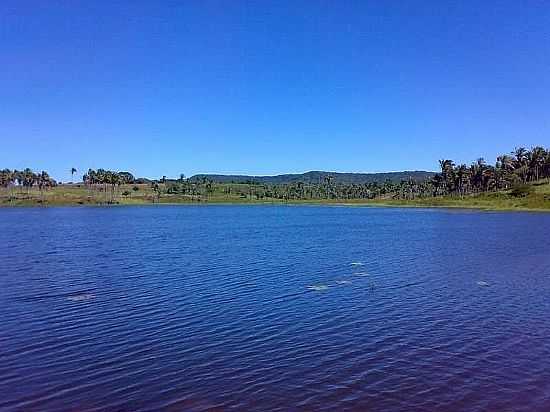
(25, 180)
(517, 168)
(512, 170)
(106, 181)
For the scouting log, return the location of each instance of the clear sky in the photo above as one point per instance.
(266, 87)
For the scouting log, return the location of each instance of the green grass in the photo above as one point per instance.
(538, 198)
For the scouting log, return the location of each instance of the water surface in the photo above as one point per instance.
(273, 308)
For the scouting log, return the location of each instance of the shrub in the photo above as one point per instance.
(521, 190)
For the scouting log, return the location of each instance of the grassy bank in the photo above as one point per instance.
(536, 198)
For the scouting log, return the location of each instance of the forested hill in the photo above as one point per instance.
(319, 177)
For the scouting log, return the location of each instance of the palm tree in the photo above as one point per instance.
(505, 162)
(116, 181)
(520, 154)
(447, 173)
(547, 165)
(328, 182)
(535, 159)
(520, 162)
(462, 178)
(44, 181)
(156, 190)
(73, 171)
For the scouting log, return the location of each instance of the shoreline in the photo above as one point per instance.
(372, 204)
(536, 199)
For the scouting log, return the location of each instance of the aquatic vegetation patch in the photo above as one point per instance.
(82, 297)
(371, 286)
(318, 288)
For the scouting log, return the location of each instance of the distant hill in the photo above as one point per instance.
(318, 176)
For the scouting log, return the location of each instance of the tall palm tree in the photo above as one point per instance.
(115, 183)
(505, 162)
(156, 190)
(73, 171)
(447, 173)
(462, 178)
(547, 165)
(535, 159)
(44, 181)
(520, 163)
(328, 182)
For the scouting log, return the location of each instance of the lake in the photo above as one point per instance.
(263, 308)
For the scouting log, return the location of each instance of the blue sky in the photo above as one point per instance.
(169, 87)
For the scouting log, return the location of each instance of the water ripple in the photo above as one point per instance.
(273, 308)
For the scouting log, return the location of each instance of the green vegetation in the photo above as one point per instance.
(24, 183)
(519, 181)
(537, 198)
(315, 177)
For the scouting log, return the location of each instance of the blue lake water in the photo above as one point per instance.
(263, 308)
